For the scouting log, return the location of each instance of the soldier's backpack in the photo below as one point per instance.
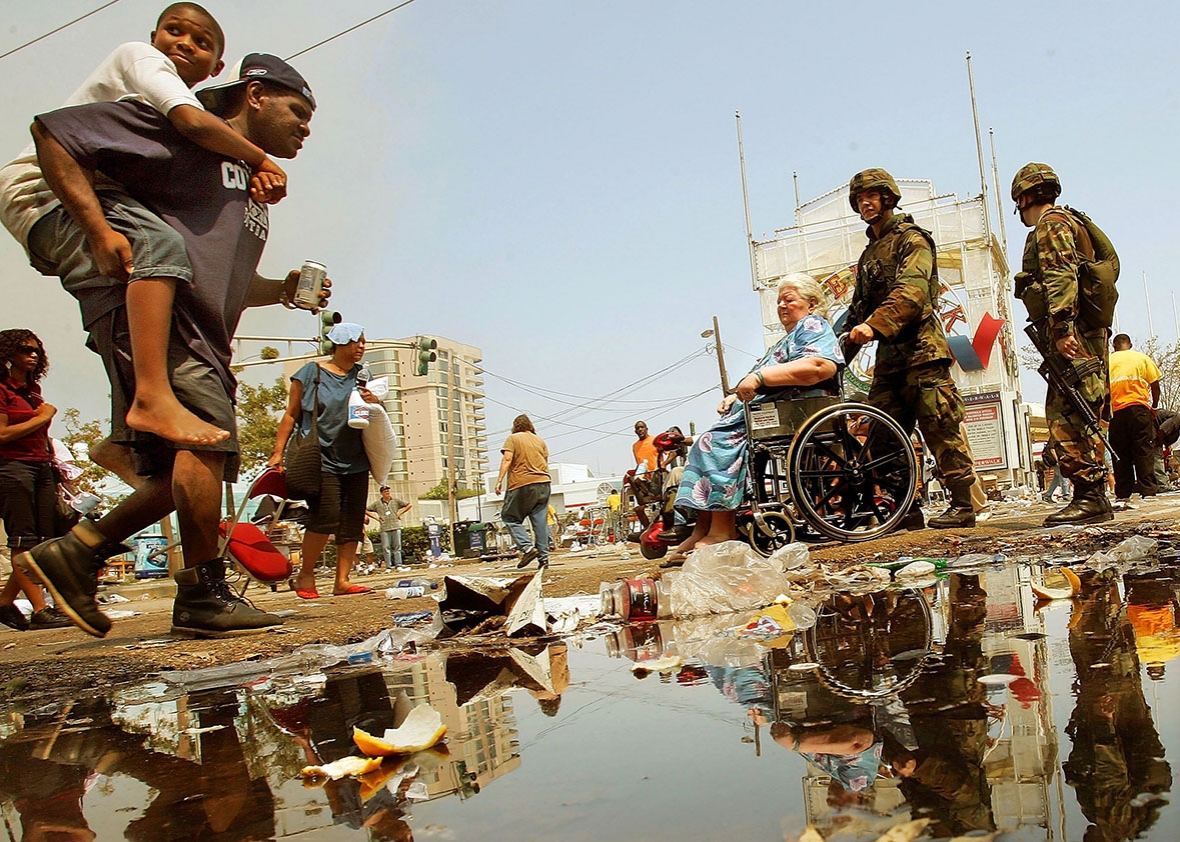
(1097, 293)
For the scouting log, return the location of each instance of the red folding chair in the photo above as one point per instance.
(247, 546)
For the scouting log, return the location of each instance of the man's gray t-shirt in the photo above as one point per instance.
(204, 196)
(387, 511)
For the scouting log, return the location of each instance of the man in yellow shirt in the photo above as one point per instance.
(1134, 393)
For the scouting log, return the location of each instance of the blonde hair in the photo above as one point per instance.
(808, 289)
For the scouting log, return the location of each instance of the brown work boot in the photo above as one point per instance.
(68, 568)
(1089, 505)
(959, 514)
(954, 516)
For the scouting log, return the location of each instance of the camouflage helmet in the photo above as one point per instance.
(1030, 175)
(874, 178)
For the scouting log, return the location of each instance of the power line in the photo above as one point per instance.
(346, 31)
(60, 28)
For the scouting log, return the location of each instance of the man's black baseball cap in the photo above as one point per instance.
(257, 67)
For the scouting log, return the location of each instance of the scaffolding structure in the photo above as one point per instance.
(826, 241)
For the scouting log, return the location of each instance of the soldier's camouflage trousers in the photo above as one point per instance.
(927, 396)
(1081, 457)
(1083, 453)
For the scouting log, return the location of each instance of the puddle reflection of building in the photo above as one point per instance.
(1021, 764)
(226, 763)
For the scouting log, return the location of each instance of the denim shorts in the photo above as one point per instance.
(58, 247)
(197, 386)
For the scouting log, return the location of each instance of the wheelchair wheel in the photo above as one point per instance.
(871, 646)
(767, 532)
(852, 472)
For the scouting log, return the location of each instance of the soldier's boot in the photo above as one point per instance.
(1089, 505)
(206, 606)
(959, 514)
(914, 519)
(68, 568)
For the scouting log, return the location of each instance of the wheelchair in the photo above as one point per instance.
(824, 468)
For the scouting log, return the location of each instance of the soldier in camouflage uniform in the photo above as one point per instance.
(896, 302)
(1049, 287)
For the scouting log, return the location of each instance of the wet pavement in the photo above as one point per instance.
(966, 701)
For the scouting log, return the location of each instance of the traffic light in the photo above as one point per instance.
(426, 354)
(328, 318)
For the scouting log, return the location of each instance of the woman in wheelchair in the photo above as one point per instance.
(804, 363)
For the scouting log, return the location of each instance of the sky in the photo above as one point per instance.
(557, 183)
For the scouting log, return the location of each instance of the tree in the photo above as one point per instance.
(259, 409)
(79, 437)
(439, 492)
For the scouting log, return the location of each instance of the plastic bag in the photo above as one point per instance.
(721, 578)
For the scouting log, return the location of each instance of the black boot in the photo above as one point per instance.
(914, 519)
(1089, 505)
(68, 568)
(959, 514)
(206, 606)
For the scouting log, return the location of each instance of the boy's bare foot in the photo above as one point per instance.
(166, 418)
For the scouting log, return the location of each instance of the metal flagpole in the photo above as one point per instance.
(1175, 321)
(746, 202)
(999, 202)
(795, 176)
(987, 226)
(1147, 300)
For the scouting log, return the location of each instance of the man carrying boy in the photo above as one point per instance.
(138, 248)
(204, 196)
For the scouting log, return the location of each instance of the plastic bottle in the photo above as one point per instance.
(424, 584)
(358, 411)
(404, 593)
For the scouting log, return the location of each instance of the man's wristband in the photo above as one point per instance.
(761, 380)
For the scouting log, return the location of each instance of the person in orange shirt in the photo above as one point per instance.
(644, 450)
(648, 458)
(1134, 393)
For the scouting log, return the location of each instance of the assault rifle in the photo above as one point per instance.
(1065, 376)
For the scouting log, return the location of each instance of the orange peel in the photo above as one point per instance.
(420, 730)
(1071, 588)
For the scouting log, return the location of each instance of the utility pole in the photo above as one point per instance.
(720, 357)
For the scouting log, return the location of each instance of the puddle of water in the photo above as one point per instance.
(968, 703)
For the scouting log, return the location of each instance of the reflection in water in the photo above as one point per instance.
(934, 703)
(1117, 761)
(225, 764)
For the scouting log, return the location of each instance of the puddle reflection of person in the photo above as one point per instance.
(1116, 763)
(848, 752)
(47, 768)
(942, 776)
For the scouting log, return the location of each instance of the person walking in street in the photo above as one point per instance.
(1049, 285)
(323, 388)
(27, 482)
(1051, 457)
(1134, 396)
(896, 303)
(525, 464)
(390, 512)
